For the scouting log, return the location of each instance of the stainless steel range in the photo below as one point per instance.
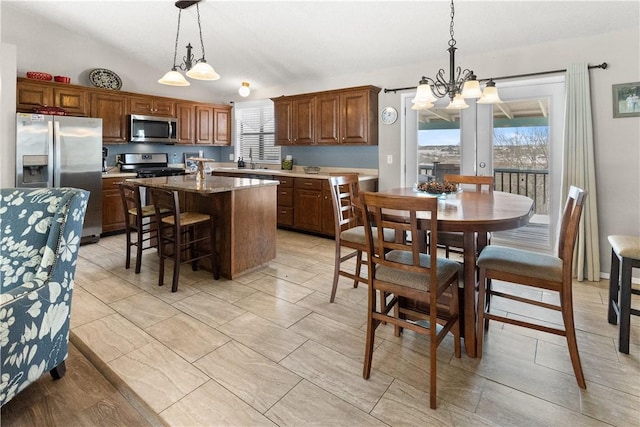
(149, 165)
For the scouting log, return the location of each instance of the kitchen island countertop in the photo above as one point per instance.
(210, 184)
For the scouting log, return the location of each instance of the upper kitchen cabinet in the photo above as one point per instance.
(150, 106)
(221, 125)
(32, 94)
(112, 109)
(345, 116)
(203, 124)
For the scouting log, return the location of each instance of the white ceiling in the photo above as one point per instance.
(273, 43)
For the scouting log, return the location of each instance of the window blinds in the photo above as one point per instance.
(255, 128)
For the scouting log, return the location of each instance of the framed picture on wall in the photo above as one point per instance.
(626, 100)
(190, 165)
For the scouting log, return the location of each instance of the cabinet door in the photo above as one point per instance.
(307, 213)
(141, 105)
(204, 125)
(164, 107)
(303, 120)
(222, 126)
(328, 221)
(328, 119)
(354, 107)
(31, 95)
(112, 109)
(186, 123)
(74, 101)
(283, 116)
(112, 210)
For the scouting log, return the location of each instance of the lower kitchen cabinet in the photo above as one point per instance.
(112, 211)
(307, 204)
(285, 201)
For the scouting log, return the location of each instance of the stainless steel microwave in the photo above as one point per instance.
(153, 129)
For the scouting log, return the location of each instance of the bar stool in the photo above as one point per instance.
(625, 251)
(138, 220)
(177, 235)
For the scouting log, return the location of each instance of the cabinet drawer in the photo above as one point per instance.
(285, 216)
(285, 197)
(285, 182)
(309, 183)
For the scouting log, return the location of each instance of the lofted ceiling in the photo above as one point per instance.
(275, 43)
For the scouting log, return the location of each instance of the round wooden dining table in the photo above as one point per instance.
(472, 213)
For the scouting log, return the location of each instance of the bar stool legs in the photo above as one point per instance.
(625, 255)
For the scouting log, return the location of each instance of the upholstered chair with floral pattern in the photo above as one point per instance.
(40, 232)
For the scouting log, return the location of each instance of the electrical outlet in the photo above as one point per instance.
(231, 157)
(389, 159)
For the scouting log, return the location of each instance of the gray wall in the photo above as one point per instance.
(617, 147)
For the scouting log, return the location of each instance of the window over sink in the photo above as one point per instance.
(255, 132)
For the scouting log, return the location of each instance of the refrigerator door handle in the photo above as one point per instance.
(57, 155)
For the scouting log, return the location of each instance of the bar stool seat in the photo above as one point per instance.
(625, 255)
(178, 238)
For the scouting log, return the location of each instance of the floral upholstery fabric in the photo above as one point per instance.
(40, 232)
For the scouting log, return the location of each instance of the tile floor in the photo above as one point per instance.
(269, 349)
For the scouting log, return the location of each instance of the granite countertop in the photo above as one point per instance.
(323, 174)
(211, 184)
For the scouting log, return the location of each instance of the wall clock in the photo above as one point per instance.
(389, 115)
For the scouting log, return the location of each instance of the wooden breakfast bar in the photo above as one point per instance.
(244, 210)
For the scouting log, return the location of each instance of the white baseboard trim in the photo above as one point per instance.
(634, 280)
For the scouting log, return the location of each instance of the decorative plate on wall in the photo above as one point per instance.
(105, 79)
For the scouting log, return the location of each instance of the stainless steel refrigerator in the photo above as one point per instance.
(62, 151)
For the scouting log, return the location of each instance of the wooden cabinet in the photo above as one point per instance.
(150, 105)
(186, 114)
(198, 123)
(112, 109)
(285, 201)
(345, 116)
(203, 124)
(307, 204)
(112, 210)
(222, 125)
(31, 94)
(328, 221)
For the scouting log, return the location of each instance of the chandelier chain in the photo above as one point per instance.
(452, 42)
(200, 31)
(175, 49)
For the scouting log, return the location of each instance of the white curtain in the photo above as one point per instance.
(579, 169)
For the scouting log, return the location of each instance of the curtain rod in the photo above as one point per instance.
(604, 66)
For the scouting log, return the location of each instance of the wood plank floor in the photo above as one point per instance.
(83, 397)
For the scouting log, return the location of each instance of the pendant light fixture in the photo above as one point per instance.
(461, 84)
(195, 68)
(244, 90)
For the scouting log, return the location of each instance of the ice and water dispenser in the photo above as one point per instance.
(35, 170)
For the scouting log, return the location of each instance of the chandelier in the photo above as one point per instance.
(195, 68)
(461, 84)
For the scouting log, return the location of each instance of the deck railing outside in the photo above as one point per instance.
(533, 183)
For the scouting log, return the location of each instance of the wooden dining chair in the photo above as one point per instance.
(533, 269)
(139, 223)
(178, 238)
(452, 239)
(349, 232)
(419, 288)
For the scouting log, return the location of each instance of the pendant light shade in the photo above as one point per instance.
(421, 106)
(174, 78)
(490, 94)
(424, 94)
(471, 88)
(457, 103)
(203, 71)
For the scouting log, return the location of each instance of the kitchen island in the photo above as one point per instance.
(244, 210)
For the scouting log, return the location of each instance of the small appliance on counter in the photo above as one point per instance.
(105, 154)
